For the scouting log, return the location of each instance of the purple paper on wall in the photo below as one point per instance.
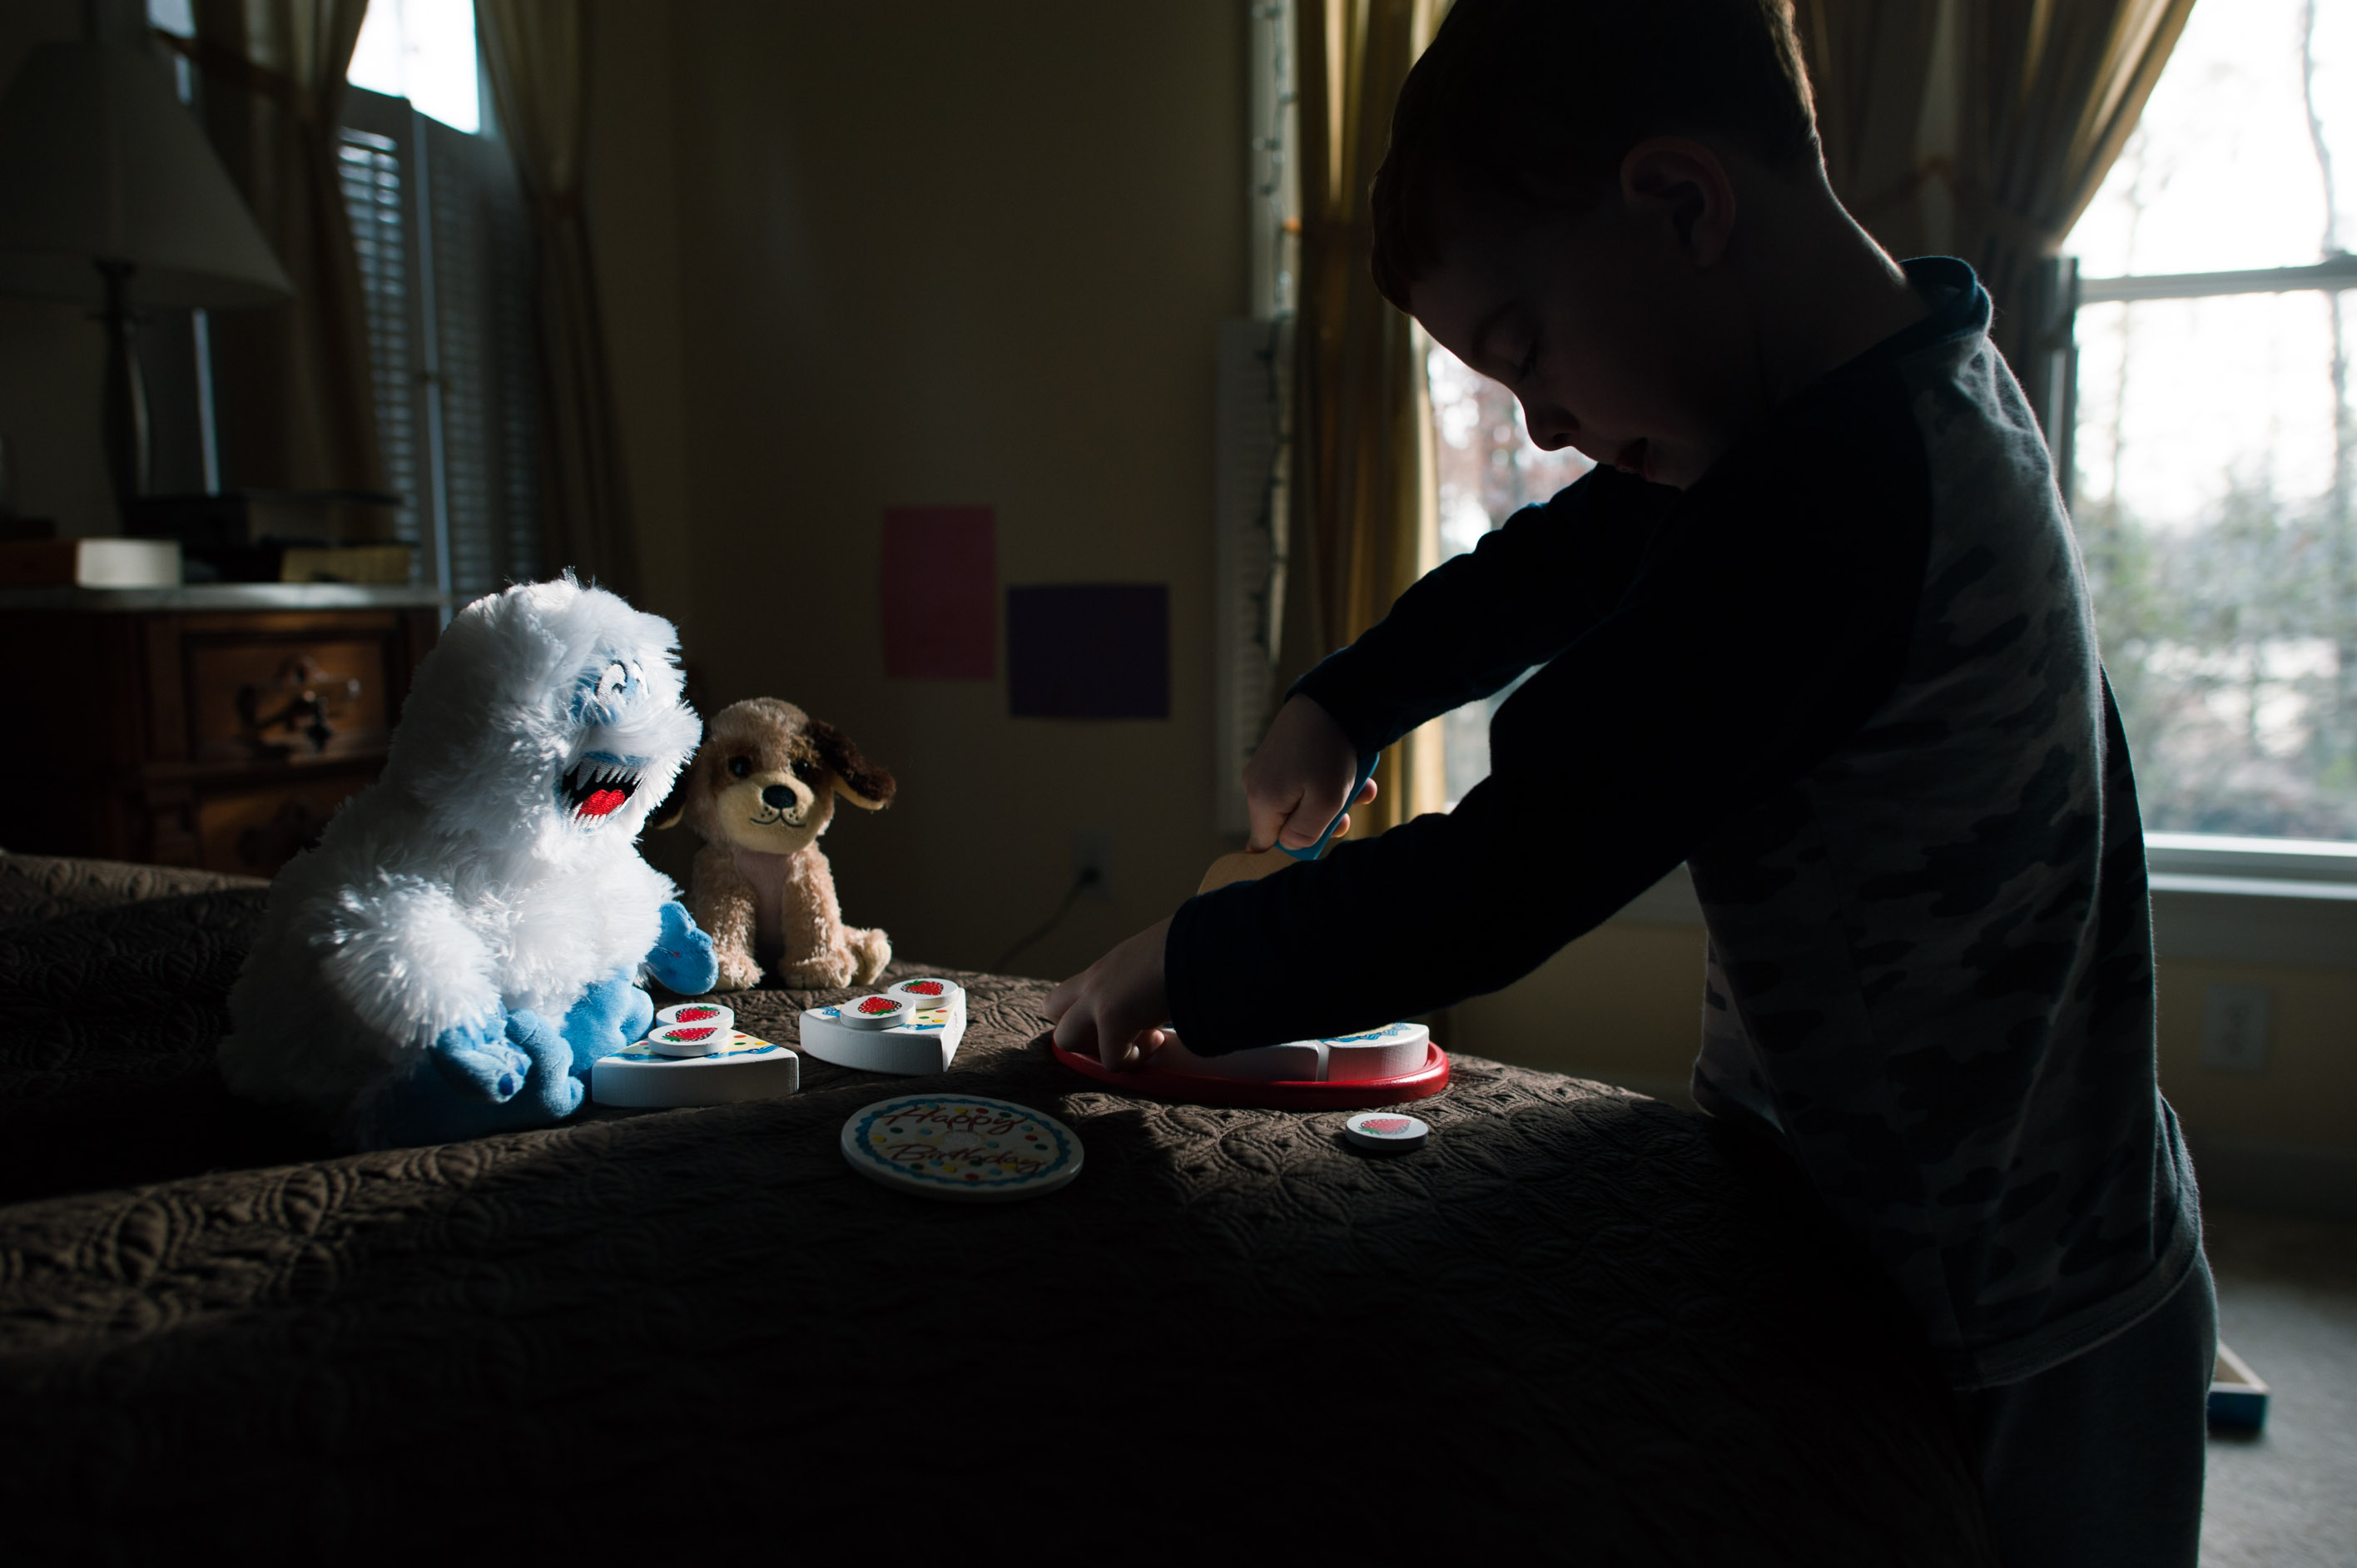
(1088, 650)
(940, 587)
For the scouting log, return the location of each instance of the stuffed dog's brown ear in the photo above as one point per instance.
(857, 780)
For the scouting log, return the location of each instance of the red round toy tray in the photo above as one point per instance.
(1195, 1089)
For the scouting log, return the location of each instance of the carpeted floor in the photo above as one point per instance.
(2288, 1303)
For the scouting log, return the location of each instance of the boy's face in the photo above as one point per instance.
(1603, 326)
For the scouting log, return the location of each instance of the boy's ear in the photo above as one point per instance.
(1682, 181)
(857, 780)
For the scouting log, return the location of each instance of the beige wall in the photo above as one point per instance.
(1624, 1002)
(862, 255)
(856, 256)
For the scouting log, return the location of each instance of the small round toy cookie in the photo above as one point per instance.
(711, 1012)
(926, 993)
(1385, 1131)
(687, 1039)
(962, 1148)
(874, 1012)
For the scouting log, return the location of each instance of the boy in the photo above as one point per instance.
(1814, 626)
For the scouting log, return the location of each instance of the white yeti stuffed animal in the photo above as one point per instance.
(468, 937)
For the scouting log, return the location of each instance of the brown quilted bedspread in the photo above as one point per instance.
(1580, 1324)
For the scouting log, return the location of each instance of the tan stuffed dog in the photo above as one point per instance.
(759, 792)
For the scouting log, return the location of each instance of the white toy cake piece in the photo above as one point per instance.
(651, 1074)
(1392, 1051)
(885, 1033)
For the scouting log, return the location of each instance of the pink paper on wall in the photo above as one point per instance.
(939, 585)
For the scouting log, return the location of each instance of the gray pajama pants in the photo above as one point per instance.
(2098, 1462)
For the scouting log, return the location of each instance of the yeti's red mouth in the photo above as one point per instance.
(595, 790)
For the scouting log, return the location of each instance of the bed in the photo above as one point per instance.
(1580, 1321)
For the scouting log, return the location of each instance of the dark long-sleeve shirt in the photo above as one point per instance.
(1849, 677)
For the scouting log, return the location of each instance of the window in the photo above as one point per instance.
(1487, 468)
(423, 50)
(438, 220)
(445, 250)
(2210, 458)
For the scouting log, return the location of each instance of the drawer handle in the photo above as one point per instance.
(311, 694)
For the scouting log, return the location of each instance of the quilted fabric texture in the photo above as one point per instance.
(1577, 1322)
(45, 886)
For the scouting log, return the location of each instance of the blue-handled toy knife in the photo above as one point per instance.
(1366, 771)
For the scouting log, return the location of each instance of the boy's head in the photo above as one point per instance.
(1559, 207)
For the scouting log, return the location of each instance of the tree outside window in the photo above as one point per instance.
(2213, 441)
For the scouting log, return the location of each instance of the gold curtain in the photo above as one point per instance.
(1870, 65)
(1364, 524)
(535, 53)
(1983, 128)
(294, 388)
(2050, 94)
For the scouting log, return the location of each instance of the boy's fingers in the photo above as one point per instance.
(1268, 820)
(1059, 1001)
(1366, 793)
(1120, 1055)
(1302, 829)
(1073, 1034)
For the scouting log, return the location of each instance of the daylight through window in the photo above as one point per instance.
(2214, 439)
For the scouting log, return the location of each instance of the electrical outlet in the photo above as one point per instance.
(2235, 1028)
(1093, 851)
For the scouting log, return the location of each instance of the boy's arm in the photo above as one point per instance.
(1771, 622)
(1477, 620)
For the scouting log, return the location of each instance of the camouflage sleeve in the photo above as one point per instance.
(1768, 615)
(1475, 622)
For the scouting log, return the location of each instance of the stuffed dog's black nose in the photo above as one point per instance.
(778, 798)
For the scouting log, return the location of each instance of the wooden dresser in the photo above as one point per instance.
(215, 727)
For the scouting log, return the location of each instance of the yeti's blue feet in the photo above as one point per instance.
(494, 1075)
(477, 1062)
(610, 1014)
(683, 960)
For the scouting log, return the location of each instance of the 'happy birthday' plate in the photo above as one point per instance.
(960, 1147)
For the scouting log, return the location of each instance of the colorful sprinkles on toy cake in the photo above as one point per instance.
(693, 1064)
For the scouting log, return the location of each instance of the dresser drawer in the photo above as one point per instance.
(255, 832)
(194, 733)
(257, 693)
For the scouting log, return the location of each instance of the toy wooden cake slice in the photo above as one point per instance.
(1389, 1065)
(913, 1027)
(694, 1064)
(1392, 1051)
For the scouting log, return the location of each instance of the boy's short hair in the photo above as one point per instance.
(1531, 104)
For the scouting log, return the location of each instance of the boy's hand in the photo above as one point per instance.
(1299, 778)
(1112, 1008)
